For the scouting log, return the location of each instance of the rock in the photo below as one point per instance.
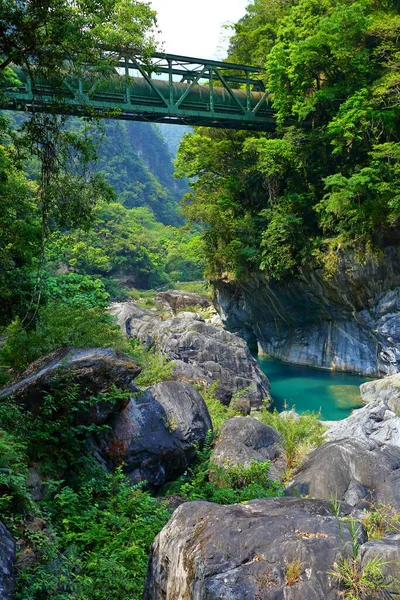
(386, 390)
(94, 369)
(375, 425)
(245, 552)
(348, 322)
(155, 435)
(174, 300)
(350, 471)
(217, 355)
(243, 440)
(387, 551)
(7, 558)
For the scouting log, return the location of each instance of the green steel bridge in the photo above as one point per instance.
(164, 89)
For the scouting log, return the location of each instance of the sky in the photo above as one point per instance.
(195, 27)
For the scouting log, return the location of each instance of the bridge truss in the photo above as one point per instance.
(166, 88)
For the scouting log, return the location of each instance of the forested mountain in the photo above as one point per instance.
(329, 177)
(135, 160)
(173, 135)
(136, 233)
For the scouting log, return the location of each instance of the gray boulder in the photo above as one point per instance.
(174, 300)
(94, 369)
(350, 471)
(271, 549)
(386, 390)
(216, 354)
(7, 557)
(387, 551)
(375, 425)
(155, 435)
(243, 440)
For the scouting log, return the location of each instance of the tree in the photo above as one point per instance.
(329, 176)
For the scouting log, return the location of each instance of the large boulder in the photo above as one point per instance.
(375, 425)
(387, 552)
(7, 557)
(217, 354)
(174, 300)
(243, 440)
(95, 370)
(386, 390)
(350, 471)
(154, 437)
(271, 549)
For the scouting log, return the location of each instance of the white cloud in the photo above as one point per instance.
(195, 27)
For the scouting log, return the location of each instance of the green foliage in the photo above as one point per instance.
(74, 290)
(155, 368)
(56, 431)
(218, 411)
(101, 534)
(228, 484)
(361, 582)
(60, 29)
(129, 242)
(300, 434)
(14, 496)
(98, 528)
(196, 287)
(381, 519)
(20, 235)
(329, 177)
(57, 326)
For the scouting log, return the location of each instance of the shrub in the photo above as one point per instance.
(14, 496)
(300, 434)
(225, 485)
(381, 519)
(59, 326)
(156, 367)
(73, 289)
(101, 535)
(219, 413)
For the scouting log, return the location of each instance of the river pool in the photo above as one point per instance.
(334, 394)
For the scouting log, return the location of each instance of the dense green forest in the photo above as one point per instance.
(329, 177)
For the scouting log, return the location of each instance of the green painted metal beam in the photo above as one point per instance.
(209, 93)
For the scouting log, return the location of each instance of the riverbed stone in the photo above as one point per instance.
(217, 355)
(244, 440)
(350, 471)
(155, 436)
(378, 423)
(175, 300)
(244, 552)
(386, 390)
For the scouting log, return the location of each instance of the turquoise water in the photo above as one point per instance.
(334, 394)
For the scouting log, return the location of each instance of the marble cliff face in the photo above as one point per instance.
(349, 322)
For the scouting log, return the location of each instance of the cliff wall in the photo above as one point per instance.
(350, 322)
